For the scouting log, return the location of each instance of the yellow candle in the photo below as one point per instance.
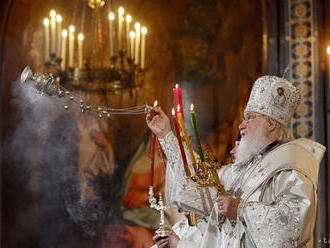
(58, 35)
(46, 24)
(52, 30)
(121, 12)
(63, 50)
(137, 43)
(128, 24)
(143, 46)
(71, 46)
(111, 20)
(80, 50)
(187, 139)
(132, 43)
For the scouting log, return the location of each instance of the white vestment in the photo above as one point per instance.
(277, 191)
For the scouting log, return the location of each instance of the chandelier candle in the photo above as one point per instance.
(178, 135)
(52, 30)
(132, 43)
(111, 20)
(121, 12)
(80, 50)
(63, 49)
(46, 24)
(58, 35)
(128, 24)
(71, 46)
(137, 43)
(143, 46)
(186, 139)
(177, 98)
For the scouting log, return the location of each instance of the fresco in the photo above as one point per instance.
(74, 180)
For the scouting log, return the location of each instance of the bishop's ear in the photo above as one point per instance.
(271, 124)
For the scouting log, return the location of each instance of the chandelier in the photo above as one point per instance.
(102, 49)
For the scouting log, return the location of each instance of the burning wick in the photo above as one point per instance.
(155, 103)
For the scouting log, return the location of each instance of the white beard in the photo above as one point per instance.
(250, 145)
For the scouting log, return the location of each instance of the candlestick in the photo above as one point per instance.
(152, 157)
(63, 49)
(143, 46)
(121, 11)
(137, 43)
(178, 135)
(128, 23)
(80, 50)
(52, 30)
(58, 35)
(71, 45)
(186, 139)
(132, 43)
(111, 20)
(177, 98)
(46, 24)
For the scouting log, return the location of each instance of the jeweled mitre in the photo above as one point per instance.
(274, 97)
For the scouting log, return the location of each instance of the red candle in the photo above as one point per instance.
(152, 165)
(177, 131)
(161, 153)
(177, 98)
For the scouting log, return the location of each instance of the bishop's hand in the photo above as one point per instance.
(158, 122)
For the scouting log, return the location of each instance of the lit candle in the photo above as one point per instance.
(186, 138)
(177, 98)
(137, 43)
(152, 157)
(198, 142)
(46, 24)
(71, 46)
(58, 35)
(178, 135)
(63, 50)
(132, 43)
(143, 46)
(111, 20)
(52, 30)
(121, 12)
(128, 23)
(328, 51)
(80, 50)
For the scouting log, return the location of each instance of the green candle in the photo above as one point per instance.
(198, 142)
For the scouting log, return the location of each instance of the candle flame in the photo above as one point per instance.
(53, 13)
(173, 112)
(137, 26)
(132, 34)
(46, 21)
(64, 33)
(71, 29)
(144, 30)
(80, 37)
(192, 107)
(59, 18)
(328, 50)
(121, 10)
(128, 18)
(155, 103)
(111, 16)
(177, 86)
(178, 108)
